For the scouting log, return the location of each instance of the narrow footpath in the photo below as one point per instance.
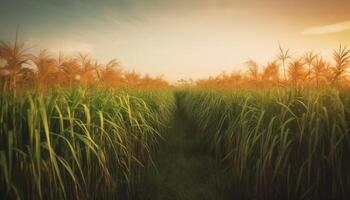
(185, 168)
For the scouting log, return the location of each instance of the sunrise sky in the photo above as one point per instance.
(182, 38)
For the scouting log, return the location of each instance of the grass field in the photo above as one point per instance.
(278, 144)
(74, 128)
(174, 100)
(78, 144)
(175, 144)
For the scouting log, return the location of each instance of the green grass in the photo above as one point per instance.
(186, 169)
(79, 144)
(182, 144)
(279, 144)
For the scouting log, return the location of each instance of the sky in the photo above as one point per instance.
(179, 39)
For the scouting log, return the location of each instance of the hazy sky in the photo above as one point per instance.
(178, 38)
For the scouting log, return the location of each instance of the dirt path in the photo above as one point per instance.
(186, 170)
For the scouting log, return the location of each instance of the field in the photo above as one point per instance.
(74, 128)
(287, 144)
(78, 144)
(107, 144)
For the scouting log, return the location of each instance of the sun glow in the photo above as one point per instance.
(331, 28)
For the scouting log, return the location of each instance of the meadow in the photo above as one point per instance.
(73, 128)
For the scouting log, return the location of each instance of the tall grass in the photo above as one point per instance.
(79, 144)
(279, 144)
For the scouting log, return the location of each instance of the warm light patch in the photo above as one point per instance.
(331, 28)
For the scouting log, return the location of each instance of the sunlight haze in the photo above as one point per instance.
(178, 39)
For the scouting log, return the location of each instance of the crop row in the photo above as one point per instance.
(278, 144)
(79, 144)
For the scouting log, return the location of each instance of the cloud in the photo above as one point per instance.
(326, 29)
